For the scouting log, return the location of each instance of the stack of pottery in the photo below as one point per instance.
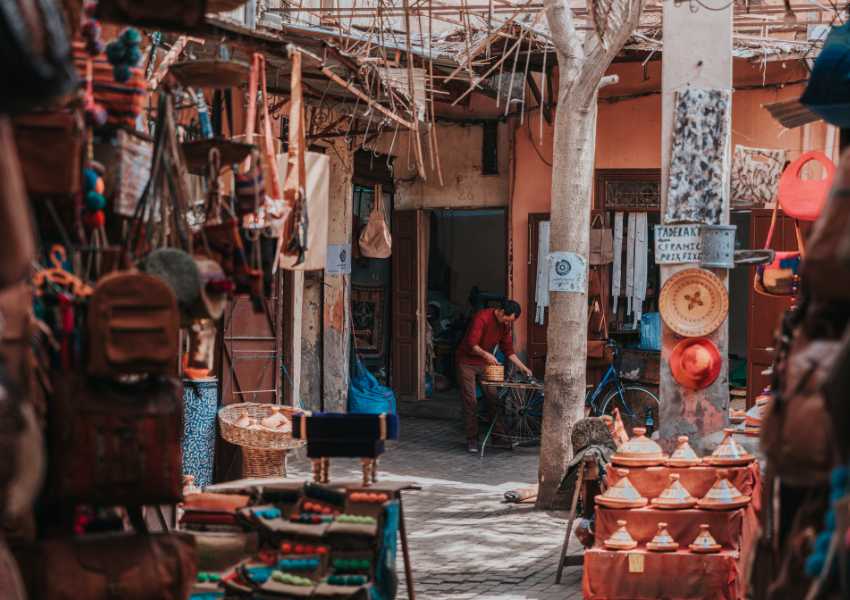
(729, 453)
(675, 496)
(683, 455)
(622, 494)
(640, 451)
(723, 495)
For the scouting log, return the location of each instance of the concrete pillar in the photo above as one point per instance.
(697, 52)
(311, 342)
(337, 288)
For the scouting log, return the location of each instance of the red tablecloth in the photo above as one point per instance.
(671, 576)
(727, 526)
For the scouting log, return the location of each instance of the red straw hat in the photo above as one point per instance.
(695, 363)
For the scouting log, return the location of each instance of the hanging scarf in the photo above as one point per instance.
(630, 262)
(617, 268)
(641, 258)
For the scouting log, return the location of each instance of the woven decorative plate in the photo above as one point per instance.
(693, 302)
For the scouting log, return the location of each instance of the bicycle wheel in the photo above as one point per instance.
(638, 407)
(522, 416)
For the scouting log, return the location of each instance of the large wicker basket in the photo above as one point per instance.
(263, 450)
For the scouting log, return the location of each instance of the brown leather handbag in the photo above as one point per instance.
(16, 227)
(133, 326)
(111, 567)
(116, 444)
(799, 405)
(59, 171)
(158, 14)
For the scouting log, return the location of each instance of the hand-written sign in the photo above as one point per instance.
(567, 272)
(676, 244)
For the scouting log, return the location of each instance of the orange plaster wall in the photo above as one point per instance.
(629, 137)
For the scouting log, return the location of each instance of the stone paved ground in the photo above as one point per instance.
(465, 542)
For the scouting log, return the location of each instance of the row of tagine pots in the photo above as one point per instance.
(621, 539)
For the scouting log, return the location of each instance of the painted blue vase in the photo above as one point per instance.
(200, 401)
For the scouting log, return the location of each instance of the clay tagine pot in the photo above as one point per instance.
(620, 539)
(704, 542)
(729, 453)
(723, 495)
(675, 496)
(683, 455)
(663, 541)
(640, 451)
(622, 494)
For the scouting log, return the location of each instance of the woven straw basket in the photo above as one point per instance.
(263, 450)
(494, 373)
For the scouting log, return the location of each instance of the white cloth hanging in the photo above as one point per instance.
(617, 267)
(541, 292)
(641, 259)
(630, 262)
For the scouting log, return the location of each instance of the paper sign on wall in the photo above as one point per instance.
(676, 244)
(567, 272)
(338, 259)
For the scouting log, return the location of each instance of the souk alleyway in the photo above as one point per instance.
(465, 541)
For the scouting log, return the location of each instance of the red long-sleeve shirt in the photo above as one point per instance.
(485, 331)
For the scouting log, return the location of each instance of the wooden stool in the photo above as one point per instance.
(588, 472)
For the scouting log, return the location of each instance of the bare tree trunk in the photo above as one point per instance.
(582, 64)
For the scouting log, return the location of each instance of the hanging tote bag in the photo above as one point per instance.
(778, 278)
(601, 242)
(375, 239)
(803, 199)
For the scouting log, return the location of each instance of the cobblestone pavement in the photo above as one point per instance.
(465, 541)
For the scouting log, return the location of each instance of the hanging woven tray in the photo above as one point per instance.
(211, 73)
(197, 153)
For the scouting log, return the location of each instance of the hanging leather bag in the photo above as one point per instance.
(16, 227)
(175, 15)
(133, 326)
(115, 444)
(778, 278)
(59, 171)
(827, 265)
(799, 406)
(601, 242)
(803, 199)
(375, 239)
(36, 62)
(113, 566)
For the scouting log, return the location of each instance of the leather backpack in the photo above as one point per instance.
(133, 326)
(123, 566)
(114, 443)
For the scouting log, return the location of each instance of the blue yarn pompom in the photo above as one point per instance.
(133, 56)
(822, 542)
(89, 179)
(814, 564)
(95, 201)
(116, 52)
(131, 36)
(121, 73)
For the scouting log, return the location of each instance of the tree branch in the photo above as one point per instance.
(563, 29)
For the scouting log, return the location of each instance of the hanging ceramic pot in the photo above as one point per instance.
(620, 539)
(640, 451)
(705, 542)
(675, 496)
(683, 455)
(663, 541)
(622, 494)
(723, 495)
(729, 453)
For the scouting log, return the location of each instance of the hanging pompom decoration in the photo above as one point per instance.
(94, 216)
(91, 31)
(124, 53)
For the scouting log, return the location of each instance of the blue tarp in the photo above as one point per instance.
(366, 395)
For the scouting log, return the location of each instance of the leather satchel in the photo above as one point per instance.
(133, 326)
(799, 405)
(59, 171)
(116, 444)
(16, 228)
(112, 566)
(177, 15)
(779, 277)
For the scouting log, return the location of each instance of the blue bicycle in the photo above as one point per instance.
(637, 405)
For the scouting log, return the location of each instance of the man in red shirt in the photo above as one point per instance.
(489, 327)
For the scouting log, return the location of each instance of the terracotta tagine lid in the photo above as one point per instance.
(622, 494)
(640, 451)
(675, 496)
(620, 539)
(663, 541)
(756, 413)
(729, 453)
(683, 455)
(704, 542)
(723, 495)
